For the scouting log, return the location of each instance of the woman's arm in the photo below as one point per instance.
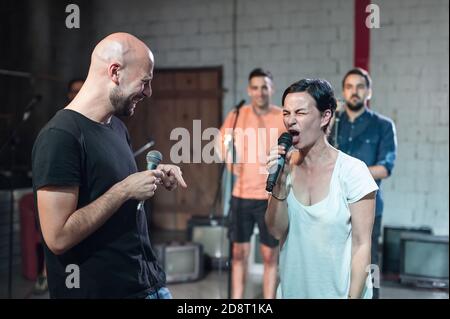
(362, 217)
(276, 218)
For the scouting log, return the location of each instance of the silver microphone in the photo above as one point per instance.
(144, 148)
(337, 118)
(153, 159)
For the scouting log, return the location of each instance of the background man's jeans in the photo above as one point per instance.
(161, 293)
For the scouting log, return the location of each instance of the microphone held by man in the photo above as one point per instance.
(162, 174)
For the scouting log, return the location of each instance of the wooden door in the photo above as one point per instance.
(180, 96)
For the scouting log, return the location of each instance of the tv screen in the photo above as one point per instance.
(213, 238)
(180, 261)
(424, 257)
(391, 246)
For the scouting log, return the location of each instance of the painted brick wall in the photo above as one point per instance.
(293, 39)
(409, 66)
(300, 38)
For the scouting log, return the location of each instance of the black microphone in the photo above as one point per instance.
(27, 111)
(153, 159)
(284, 140)
(239, 105)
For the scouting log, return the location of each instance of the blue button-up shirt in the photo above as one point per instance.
(370, 138)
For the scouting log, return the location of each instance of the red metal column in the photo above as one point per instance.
(362, 36)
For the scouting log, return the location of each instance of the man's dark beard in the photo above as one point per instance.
(122, 106)
(355, 107)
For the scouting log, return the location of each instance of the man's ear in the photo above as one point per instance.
(326, 118)
(113, 72)
(369, 94)
(272, 89)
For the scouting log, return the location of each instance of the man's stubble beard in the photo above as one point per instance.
(355, 107)
(122, 106)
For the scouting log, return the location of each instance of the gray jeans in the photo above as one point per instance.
(376, 232)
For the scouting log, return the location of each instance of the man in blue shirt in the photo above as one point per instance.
(368, 136)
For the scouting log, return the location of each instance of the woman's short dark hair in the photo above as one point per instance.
(320, 90)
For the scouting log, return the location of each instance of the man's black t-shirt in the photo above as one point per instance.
(116, 261)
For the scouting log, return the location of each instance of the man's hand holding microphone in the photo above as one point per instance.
(142, 185)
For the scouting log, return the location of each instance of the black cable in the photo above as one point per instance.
(230, 250)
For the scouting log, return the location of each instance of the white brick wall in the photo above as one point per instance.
(301, 38)
(409, 67)
(292, 38)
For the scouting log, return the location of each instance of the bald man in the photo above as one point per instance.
(87, 186)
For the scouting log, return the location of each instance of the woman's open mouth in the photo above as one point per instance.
(295, 136)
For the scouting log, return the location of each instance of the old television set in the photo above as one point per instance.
(181, 262)
(212, 234)
(424, 260)
(391, 248)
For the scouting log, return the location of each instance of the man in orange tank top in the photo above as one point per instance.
(258, 126)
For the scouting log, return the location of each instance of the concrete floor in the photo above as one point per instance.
(215, 283)
(214, 286)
